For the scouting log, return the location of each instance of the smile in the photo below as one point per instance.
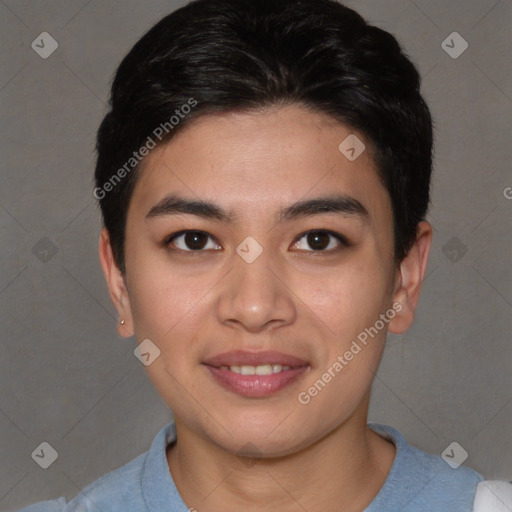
(264, 369)
(255, 374)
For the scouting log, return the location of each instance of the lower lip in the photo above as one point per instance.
(256, 385)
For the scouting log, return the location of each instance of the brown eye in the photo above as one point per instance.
(190, 241)
(321, 241)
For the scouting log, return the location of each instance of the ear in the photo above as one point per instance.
(409, 279)
(116, 285)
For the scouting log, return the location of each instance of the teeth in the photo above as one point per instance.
(264, 369)
(248, 370)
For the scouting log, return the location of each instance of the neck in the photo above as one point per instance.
(342, 471)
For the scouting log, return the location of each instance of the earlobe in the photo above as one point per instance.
(410, 278)
(116, 285)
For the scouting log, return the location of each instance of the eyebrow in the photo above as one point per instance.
(338, 204)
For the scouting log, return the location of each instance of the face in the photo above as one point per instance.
(287, 264)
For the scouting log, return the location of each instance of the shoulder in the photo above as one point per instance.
(57, 505)
(118, 488)
(421, 481)
(124, 489)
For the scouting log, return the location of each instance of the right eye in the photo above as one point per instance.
(191, 241)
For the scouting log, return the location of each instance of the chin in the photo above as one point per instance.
(263, 435)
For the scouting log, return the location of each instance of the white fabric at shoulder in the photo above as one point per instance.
(493, 496)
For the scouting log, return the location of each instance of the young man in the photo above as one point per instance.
(264, 177)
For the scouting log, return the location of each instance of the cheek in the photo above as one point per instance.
(170, 308)
(164, 300)
(347, 299)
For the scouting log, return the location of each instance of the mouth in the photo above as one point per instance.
(255, 374)
(263, 369)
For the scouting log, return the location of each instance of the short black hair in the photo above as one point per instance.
(241, 55)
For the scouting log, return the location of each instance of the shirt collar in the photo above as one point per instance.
(158, 488)
(161, 495)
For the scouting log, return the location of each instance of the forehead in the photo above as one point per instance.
(254, 164)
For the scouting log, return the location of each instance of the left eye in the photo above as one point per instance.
(319, 240)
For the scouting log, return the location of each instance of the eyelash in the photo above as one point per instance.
(341, 239)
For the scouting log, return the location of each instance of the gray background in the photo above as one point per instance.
(68, 379)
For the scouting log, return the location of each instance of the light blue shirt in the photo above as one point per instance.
(418, 482)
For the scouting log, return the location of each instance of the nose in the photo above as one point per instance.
(254, 296)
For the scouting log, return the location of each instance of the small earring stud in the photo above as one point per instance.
(121, 322)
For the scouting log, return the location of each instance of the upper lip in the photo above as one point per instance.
(241, 358)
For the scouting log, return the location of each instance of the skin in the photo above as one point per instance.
(314, 457)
